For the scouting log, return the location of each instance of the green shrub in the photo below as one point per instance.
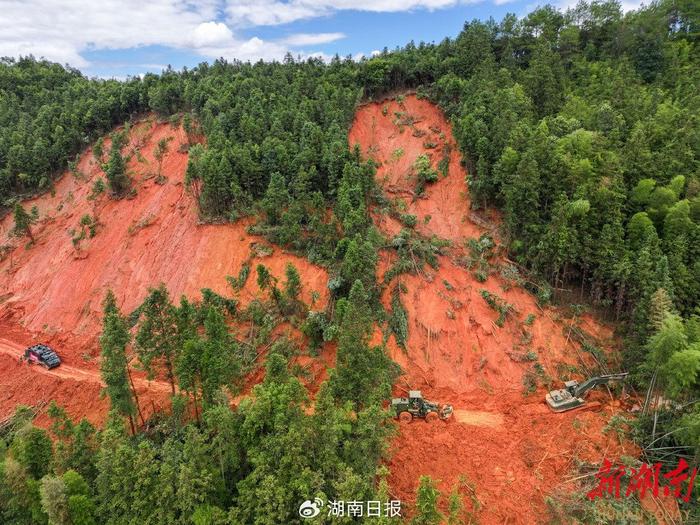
(497, 304)
(398, 322)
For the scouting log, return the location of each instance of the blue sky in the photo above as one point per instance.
(117, 38)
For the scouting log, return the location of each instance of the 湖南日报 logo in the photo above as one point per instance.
(310, 509)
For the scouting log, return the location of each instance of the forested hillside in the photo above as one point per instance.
(581, 127)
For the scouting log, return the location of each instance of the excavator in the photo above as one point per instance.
(571, 396)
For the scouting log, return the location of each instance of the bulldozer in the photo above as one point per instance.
(572, 395)
(416, 407)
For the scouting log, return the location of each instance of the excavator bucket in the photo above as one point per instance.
(446, 412)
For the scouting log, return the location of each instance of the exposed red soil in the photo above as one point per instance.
(52, 291)
(508, 444)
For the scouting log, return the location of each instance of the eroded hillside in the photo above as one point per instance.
(503, 440)
(52, 291)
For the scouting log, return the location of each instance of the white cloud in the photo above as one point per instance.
(273, 12)
(64, 30)
(61, 30)
(211, 34)
(312, 39)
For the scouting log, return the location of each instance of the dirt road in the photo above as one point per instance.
(70, 372)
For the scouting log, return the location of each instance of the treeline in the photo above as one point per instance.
(48, 113)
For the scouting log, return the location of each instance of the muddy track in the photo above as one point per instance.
(76, 374)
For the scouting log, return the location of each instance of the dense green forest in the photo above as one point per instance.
(583, 127)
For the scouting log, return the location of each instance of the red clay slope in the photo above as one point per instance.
(509, 445)
(52, 291)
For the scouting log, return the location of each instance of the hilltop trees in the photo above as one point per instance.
(48, 113)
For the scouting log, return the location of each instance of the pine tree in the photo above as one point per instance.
(522, 196)
(383, 494)
(220, 360)
(84, 449)
(82, 510)
(276, 198)
(75, 483)
(20, 501)
(660, 306)
(157, 338)
(292, 285)
(543, 79)
(359, 262)
(455, 507)
(670, 338)
(265, 279)
(160, 151)
(427, 512)
(199, 480)
(363, 373)
(115, 170)
(114, 481)
(211, 362)
(62, 429)
(98, 150)
(222, 425)
(113, 361)
(216, 172)
(32, 448)
(276, 437)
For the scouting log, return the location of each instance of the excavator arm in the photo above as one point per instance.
(584, 387)
(571, 396)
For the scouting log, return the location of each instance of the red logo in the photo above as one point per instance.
(645, 478)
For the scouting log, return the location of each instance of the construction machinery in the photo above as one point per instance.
(43, 355)
(571, 396)
(414, 406)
